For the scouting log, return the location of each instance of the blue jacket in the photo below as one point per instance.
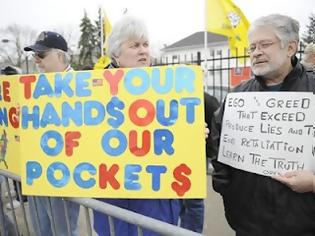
(166, 210)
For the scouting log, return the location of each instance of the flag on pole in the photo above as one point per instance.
(225, 18)
(104, 60)
(107, 27)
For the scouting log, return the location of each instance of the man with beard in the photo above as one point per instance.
(255, 204)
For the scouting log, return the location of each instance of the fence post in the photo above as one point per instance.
(198, 58)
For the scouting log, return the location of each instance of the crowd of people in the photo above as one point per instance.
(254, 204)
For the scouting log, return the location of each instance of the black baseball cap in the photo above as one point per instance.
(10, 70)
(48, 40)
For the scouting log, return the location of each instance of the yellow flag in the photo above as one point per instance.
(102, 63)
(225, 18)
(107, 26)
(105, 60)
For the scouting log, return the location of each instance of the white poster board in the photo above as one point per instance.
(269, 132)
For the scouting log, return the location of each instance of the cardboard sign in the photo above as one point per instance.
(122, 133)
(269, 132)
(9, 122)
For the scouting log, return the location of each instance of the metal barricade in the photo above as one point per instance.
(20, 224)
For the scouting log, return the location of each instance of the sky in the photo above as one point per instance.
(167, 20)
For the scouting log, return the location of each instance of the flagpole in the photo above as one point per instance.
(205, 45)
(102, 33)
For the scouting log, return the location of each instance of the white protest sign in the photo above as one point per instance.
(269, 132)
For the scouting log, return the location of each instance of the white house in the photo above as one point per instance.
(186, 49)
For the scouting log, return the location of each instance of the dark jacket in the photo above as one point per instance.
(211, 105)
(166, 210)
(257, 205)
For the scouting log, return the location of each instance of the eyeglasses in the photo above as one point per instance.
(40, 54)
(260, 46)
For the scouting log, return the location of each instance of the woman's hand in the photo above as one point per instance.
(207, 131)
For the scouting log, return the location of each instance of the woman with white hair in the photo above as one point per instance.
(128, 46)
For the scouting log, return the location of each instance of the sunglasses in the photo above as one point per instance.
(40, 54)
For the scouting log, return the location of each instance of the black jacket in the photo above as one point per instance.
(211, 105)
(257, 205)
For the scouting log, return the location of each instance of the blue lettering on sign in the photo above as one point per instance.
(122, 142)
(42, 87)
(82, 84)
(75, 114)
(51, 151)
(131, 177)
(156, 172)
(190, 104)
(184, 79)
(160, 112)
(137, 74)
(33, 171)
(77, 175)
(26, 117)
(89, 106)
(163, 140)
(157, 83)
(58, 166)
(50, 116)
(114, 108)
(63, 84)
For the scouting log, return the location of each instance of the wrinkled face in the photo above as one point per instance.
(268, 57)
(134, 53)
(47, 61)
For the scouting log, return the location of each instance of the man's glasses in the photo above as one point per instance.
(40, 54)
(260, 46)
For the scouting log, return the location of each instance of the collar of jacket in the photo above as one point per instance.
(293, 75)
(112, 65)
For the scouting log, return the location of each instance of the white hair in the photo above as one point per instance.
(65, 55)
(308, 57)
(285, 27)
(310, 48)
(128, 27)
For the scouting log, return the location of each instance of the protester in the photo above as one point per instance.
(6, 224)
(50, 55)
(192, 210)
(309, 57)
(128, 46)
(255, 204)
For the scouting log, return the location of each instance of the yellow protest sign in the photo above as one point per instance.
(9, 122)
(136, 133)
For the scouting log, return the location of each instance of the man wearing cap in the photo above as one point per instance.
(48, 214)
(50, 52)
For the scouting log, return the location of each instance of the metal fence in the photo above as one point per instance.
(219, 66)
(12, 223)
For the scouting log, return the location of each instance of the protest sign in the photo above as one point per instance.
(136, 133)
(269, 132)
(9, 122)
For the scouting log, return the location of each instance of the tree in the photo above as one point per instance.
(14, 39)
(87, 43)
(309, 35)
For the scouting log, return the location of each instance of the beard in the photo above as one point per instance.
(268, 70)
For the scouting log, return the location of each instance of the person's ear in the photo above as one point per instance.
(60, 56)
(292, 48)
